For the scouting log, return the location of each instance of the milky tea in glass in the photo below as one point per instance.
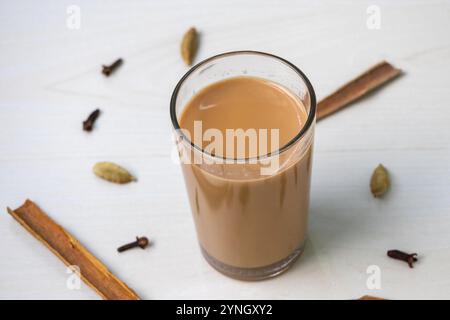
(244, 123)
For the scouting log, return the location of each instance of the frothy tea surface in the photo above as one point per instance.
(246, 103)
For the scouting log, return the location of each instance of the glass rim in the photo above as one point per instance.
(297, 137)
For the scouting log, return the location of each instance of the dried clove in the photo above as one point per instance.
(89, 123)
(107, 70)
(400, 255)
(141, 242)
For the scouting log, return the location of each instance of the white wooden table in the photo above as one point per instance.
(50, 81)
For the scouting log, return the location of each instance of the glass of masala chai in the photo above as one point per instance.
(244, 127)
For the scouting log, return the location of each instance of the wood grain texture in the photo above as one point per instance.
(50, 80)
(71, 252)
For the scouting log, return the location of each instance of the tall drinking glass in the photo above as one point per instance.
(251, 214)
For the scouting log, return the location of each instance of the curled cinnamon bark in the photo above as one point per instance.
(355, 89)
(71, 252)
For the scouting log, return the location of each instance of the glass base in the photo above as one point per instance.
(253, 274)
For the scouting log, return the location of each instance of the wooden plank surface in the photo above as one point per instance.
(50, 81)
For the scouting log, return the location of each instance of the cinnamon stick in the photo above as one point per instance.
(370, 298)
(355, 89)
(71, 252)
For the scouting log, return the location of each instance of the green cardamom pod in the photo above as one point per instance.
(112, 172)
(189, 46)
(380, 182)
